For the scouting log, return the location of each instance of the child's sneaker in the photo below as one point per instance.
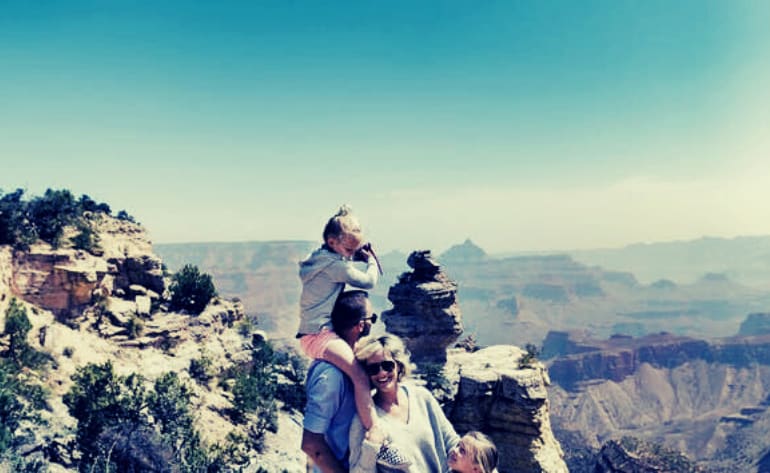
(391, 457)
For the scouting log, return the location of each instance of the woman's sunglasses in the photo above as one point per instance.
(374, 368)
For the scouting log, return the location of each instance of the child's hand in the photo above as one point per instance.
(363, 254)
(375, 435)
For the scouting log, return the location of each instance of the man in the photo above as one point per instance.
(331, 402)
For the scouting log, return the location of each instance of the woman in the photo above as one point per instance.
(418, 431)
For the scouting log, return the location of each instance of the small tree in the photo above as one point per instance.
(16, 226)
(52, 212)
(529, 359)
(191, 290)
(17, 326)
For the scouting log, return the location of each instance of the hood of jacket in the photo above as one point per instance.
(316, 262)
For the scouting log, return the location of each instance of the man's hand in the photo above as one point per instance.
(315, 446)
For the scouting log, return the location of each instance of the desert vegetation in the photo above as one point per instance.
(191, 290)
(20, 399)
(25, 221)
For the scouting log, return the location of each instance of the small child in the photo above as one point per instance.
(474, 453)
(324, 274)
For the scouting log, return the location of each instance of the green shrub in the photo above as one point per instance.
(17, 326)
(134, 327)
(294, 369)
(124, 428)
(123, 215)
(19, 401)
(68, 352)
(191, 290)
(529, 359)
(254, 394)
(16, 226)
(52, 212)
(201, 369)
(23, 222)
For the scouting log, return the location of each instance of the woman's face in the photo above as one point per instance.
(460, 460)
(383, 371)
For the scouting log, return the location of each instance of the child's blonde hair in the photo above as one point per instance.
(482, 450)
(341, 223)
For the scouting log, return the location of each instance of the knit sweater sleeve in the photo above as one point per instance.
(346, 272)
(363, 453)
(442, 427)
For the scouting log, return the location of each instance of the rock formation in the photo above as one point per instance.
(65, 280)
(630, 455)
(425, 312)
(508, 403)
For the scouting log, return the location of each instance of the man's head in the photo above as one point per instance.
(352, 314)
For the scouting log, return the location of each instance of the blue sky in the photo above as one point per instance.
(524, 125)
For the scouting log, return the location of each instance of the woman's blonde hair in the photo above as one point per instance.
(391, 345)
(482, 450)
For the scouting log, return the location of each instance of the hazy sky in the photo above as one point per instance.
(524, 125)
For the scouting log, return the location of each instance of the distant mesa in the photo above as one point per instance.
(663, 284)
(755, 324)
(714, 278)
(580, 358)
(465, 252)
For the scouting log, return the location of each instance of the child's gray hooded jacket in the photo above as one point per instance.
(324, 274)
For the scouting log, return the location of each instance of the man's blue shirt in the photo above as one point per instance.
(330, 406)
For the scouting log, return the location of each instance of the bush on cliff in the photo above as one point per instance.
(124, 428)
(23, 222)
(191, 290)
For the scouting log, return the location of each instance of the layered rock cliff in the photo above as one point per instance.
(621, 356)
(509, 403)
(66, 281)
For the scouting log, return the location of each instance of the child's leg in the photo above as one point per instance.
(341, 355)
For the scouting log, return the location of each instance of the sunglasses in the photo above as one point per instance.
(374, 368)
(373, 318)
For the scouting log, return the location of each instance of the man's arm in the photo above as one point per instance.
(315, 446)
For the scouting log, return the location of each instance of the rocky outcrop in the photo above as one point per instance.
(508, 403)
(621, 356)
(630, 455)
(425, 312)
(66, 281)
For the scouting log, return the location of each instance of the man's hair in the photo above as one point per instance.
(349, 309)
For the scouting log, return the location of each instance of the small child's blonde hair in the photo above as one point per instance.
(341, 223)
(482, 450)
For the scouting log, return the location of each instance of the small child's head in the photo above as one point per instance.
(475, 453)
(342, 233)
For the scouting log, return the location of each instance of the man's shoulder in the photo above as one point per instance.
(323, 371)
